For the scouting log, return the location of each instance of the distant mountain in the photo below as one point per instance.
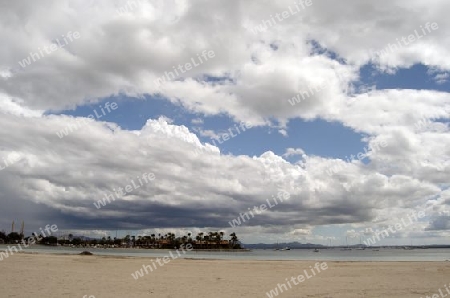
(298, 245)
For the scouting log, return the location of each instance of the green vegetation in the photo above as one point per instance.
(210, 240)
(14, 238)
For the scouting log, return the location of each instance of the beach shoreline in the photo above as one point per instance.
(77, 253)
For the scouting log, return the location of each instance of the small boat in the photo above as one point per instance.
(346, 248)
(316, 250)
(276, 248)
(361, 247)
(286, 248)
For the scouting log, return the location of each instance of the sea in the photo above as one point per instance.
(329, 254)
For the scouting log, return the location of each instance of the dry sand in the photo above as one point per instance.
(38, 275)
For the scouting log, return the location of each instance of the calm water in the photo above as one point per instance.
(259, 254)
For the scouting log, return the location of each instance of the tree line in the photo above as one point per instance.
(203, 240)
(14, 237)
(210, 240)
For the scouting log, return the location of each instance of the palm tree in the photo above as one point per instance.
(206, 239)
(139, 241)
(127, 240)
(233, 240)
(198, 239)
(201, 238)
(217, 239)
(147, 240)
(172, 239)
(221, 233)
(212, 236)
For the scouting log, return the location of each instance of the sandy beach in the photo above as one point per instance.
(39, 275)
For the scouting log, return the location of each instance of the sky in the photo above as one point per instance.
(338, 111)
